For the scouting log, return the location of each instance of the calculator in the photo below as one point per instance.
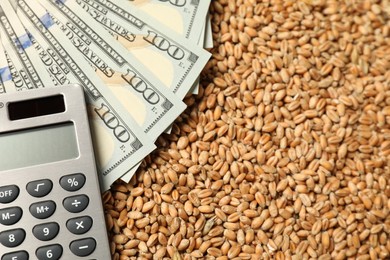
(50, 198)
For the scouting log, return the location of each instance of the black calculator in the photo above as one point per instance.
(50, 200)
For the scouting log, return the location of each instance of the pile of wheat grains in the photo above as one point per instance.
(285, 152)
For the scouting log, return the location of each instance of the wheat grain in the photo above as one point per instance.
(284, 154)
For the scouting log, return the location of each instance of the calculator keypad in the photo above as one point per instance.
(79, 225)
(18, 255)
(44, 209)
(10, 216)
(8, 193)
(72, 182)
(12, 238)
(83, 247)
(46, 231)
(76, 204)
(39, 188)
(50, 252)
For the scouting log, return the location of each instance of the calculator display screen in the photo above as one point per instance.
(36, 146)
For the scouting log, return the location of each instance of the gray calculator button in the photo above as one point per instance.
(42, 210)
(79, 225)
(39, 188)
(72, 182)
(83, 247)
(50, 252)
(10, 216)
(8, 193)
(46, 231)
(12, 238)
(19, 255)
(76, 204)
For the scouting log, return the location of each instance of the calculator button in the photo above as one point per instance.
(19, 255)
(8, 193)
(43, 209)
(79, 225)
(72, 182)
(83, 247)
(10, 216)
(39, 188)
(76, 204)
(50, 252)
(12, 238)
(46, 231)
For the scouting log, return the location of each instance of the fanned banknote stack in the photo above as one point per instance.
(136, 60)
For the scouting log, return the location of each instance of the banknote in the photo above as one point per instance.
(187, 18)
(119, 142)
(201, 42)
(205, 40)
(176, 61)
(6, 83)
(208, 40)
(19, 74)
(128, 79)
(183, 16)
(26, 69)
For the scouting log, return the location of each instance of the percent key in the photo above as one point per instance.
(72, 182)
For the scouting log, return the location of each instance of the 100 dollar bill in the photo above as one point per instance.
(119, 142)
(6, 83)
(19, 52)
(176, 61)
(139, 91)
(186, 17)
